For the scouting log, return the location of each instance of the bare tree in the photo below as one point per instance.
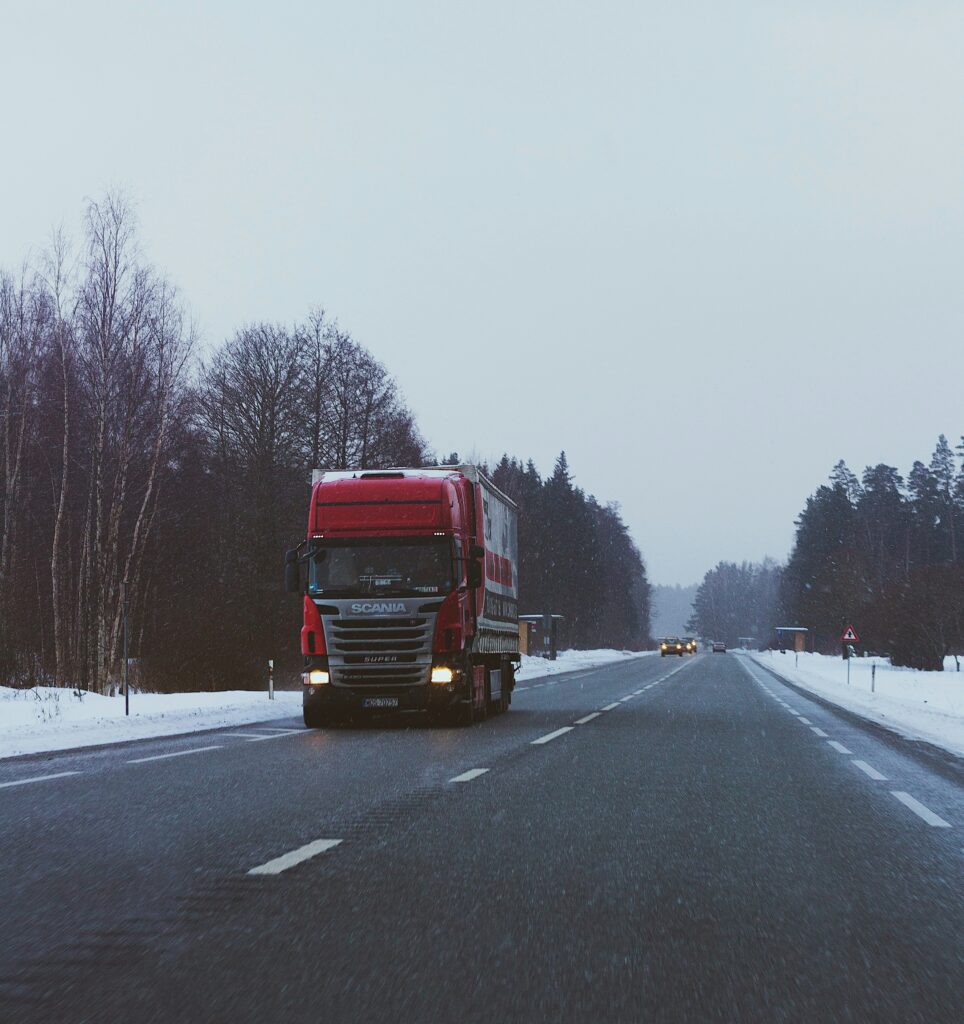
(132, 351)
(24, 322)
(57, 280)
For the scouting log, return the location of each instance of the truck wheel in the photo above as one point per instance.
(316, 719)
(461, 715)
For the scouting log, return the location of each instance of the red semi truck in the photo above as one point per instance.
(411, 595)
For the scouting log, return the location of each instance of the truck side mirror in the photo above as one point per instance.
(473, 574)
(292, 573)
(477, 551)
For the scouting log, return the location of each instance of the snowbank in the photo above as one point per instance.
(919, 705)
(48, 718)
(570, 661)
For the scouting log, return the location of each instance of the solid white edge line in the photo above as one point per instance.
(36, 778)
(588, 718)
(870, 770)
(552, 735)
(254, 735)
(472, 773)
(839, 747)
(920, 810)
(176, 753)
(609, 707)
(280, 735)
(289, 860)
(818, 731)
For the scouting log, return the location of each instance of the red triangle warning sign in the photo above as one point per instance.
(849, 636)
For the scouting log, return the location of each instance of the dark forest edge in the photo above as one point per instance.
(880, 552)
(127, 458)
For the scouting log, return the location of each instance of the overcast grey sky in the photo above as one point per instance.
(707, 248)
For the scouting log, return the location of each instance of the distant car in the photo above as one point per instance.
(670, 645)
(719, 647)
(690, 645)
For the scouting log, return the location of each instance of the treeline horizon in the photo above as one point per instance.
(885, 554)
(576, 558)
(136, 474)
(881, 552)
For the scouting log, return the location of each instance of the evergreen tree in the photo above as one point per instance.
(943, 470)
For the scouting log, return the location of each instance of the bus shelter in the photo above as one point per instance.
(794, 637)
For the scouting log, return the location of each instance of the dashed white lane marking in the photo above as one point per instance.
(792, 712)
(806, 721)
(920, 810)
(553, 735)
(623, 700)
(519, 689)
(472, 773)
(176, 753)
(839, 747)
(289, 860)
(588, 718)
(37, 778)
(819, 732)
(535, 686)
(869, 770)
(609, 707)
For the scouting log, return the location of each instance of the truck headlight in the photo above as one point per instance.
(316, 677)
(442, 674)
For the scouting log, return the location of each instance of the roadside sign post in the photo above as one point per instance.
(270, 678)
(873, 676)
(848, 637)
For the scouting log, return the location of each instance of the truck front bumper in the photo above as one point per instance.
(338, 699)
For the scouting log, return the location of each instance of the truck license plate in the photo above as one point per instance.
(380, 702)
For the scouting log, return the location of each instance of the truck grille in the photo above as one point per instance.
(405, 644)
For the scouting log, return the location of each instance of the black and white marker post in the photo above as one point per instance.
(127, 689)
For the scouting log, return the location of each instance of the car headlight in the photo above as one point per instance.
(442, 674)
(316, 677)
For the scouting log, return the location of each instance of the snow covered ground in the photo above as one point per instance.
(919, 705)
(47, 718)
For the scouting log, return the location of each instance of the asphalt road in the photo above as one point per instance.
(661, 840)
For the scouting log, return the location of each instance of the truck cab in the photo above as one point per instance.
(410, 593)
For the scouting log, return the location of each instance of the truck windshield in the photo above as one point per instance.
(381, 565)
